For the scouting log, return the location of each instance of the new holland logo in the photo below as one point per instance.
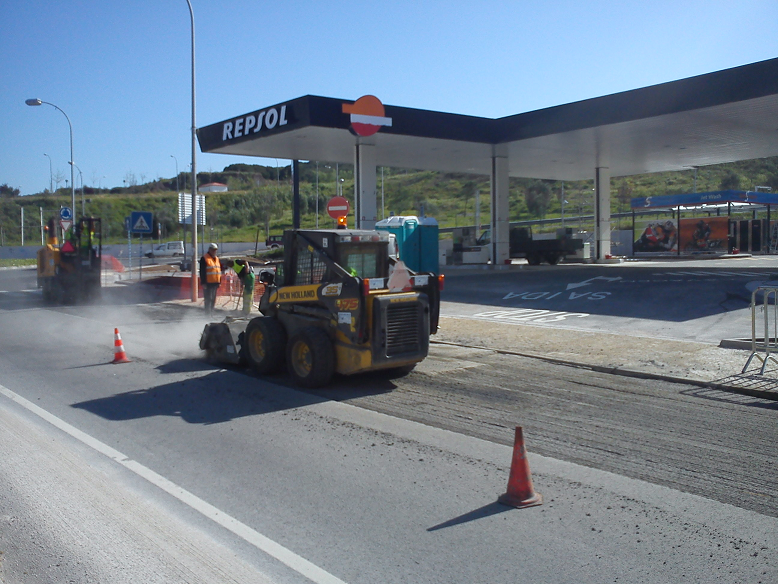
(367, 115)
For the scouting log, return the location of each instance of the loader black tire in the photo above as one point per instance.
(553, 258)
(264, 344)
(310, 358)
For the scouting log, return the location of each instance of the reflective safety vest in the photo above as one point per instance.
(213, 273)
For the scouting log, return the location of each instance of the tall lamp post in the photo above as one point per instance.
(194, 164)
(178, 189)
(81, 178)
(51, 174)
(36, 101)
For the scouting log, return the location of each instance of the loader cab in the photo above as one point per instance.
(312, 257)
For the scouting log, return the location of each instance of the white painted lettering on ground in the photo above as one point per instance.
(550, 295)
(529, 315)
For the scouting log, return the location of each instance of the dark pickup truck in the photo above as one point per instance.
(522, 245)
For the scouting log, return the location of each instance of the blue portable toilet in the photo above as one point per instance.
(429, 239)
(417, 240)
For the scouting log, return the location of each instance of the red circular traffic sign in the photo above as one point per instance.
(338, 207)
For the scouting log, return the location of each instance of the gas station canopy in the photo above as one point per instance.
(718, 117)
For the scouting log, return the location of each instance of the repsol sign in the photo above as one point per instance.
(254, 123)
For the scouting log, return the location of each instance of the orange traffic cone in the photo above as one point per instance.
(520, 491)
(119, 355)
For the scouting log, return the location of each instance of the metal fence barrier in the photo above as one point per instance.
(764, 348)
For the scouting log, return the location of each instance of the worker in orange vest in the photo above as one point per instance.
(210, 276)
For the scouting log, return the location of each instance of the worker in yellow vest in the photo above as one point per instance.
(210, 276)
(247, 279)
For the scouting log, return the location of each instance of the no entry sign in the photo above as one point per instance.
(337, 207)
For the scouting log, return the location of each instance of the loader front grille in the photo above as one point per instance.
(403, 328)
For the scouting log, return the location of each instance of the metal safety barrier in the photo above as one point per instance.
(764, 348)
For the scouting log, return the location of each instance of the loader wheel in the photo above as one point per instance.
(310, 358)
(263, 344)
(553, 258)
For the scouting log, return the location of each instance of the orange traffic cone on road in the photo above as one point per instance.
(520, 490)
(118, 348)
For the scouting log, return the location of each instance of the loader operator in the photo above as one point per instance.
(211, 277)
(246, 276)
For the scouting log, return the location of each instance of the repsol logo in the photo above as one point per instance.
(266, 119)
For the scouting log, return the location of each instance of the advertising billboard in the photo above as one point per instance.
(705, 234)
(656, 237)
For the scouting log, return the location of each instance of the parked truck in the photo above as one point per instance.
(339, 302)
(522, 244)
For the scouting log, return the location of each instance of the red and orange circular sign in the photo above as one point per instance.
(338, 207)
(367, 115)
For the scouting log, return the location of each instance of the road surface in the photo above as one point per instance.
(170, 469)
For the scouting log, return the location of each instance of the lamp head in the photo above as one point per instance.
(33, 101)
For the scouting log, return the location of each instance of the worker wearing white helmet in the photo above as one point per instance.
(210, 276)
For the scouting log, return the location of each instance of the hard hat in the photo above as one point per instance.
(212, 246)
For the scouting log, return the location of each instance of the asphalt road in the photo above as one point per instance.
(643, 481)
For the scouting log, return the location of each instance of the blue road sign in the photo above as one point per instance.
(66, 214)
(141, 222)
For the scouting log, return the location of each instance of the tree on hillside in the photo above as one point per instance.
(266, 205)
(624, 195)
(538, 197)
(58, 177)
(730, 181)
(7, 192)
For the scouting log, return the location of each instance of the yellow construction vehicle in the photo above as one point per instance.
(71, 272)
(337, 303)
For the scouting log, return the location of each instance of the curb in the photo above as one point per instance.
(625, 372)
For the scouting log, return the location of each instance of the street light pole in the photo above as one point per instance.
(51, 174)
(36, 101)
(194, 164)
(81, 178)
(178, 189)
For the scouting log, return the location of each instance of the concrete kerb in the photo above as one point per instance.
(626, 372)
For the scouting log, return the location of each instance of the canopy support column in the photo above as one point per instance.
(365, 186)
(500, 210)
(602, 212)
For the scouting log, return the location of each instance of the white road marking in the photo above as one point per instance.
(719, 274)
(590, 280)
(261, 542)
(528, 315)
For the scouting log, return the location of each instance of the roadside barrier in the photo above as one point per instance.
(119, 355)
(520, 492)
(765, 347)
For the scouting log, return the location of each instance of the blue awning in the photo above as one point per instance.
(700, 199)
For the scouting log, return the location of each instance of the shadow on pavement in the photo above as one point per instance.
(746, 390)
(220, 396)
(668, 294)
(480, 513)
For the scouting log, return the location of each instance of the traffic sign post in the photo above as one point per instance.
(338, 207)
(141, 222)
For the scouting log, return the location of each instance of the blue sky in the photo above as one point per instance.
(121, 70)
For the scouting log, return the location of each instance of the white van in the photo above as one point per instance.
(166, 250)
